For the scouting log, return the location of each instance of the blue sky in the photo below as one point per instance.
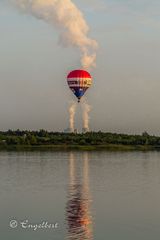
(125, 94)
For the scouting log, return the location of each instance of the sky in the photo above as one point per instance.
(125, 96)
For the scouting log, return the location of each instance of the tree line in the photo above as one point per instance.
(43, 137)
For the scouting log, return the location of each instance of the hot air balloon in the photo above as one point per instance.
(79, 81)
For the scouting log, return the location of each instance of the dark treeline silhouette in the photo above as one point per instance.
(43, 137)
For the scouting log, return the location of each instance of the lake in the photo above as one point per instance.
(78, 195)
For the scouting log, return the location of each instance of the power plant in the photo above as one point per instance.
(75, 131)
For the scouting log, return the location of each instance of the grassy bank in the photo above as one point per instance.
(108, 147)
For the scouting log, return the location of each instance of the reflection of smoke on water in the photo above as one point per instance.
(78, 216)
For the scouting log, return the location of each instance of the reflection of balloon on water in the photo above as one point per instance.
(79, 81)
(78, 214)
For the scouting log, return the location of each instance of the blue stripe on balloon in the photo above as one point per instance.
(79, 92)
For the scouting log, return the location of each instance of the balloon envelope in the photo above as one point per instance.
(79, 81)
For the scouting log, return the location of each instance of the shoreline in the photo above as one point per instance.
(107, 147)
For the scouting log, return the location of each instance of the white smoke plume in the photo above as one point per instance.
(69, 20)
(72, 111)
(86, 108)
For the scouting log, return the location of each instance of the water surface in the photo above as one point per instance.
(91, 195)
